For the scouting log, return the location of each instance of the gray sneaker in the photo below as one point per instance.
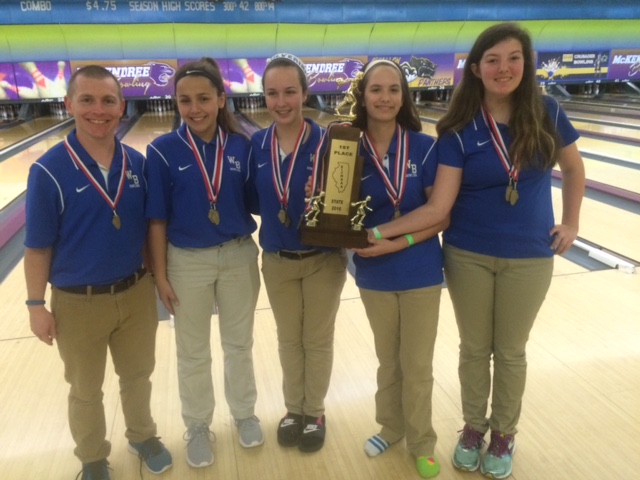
(250, 432)
(199, 453)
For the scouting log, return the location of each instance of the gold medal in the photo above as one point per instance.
(513, 198)
(283, 217)
(214, 216)
(507, 194)
(397, 213)
(116, 221)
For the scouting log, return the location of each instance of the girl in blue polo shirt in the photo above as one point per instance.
(401, 289)
(303, 283)
(203, 253)
(497, 146)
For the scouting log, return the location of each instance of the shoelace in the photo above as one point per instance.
(247, 423)
(499, 445)
(200, 430)
(471, 438)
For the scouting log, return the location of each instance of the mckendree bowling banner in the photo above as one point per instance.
(332, 74)
(139, 78)
(624, 65)
(424, 71)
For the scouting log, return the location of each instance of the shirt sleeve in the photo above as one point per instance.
(44, 205)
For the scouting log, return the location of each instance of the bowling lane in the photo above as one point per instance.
(24, 130)
(150, 126)
(14, 170)
(610, 149)
(610, 227)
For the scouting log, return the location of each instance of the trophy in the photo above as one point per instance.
(334, 217)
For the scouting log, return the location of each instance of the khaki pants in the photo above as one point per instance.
(226, 275)
(87, 325)
(496, 301)
(305, 296)
(404, 327)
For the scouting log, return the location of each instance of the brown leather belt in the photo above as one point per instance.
(119, 286)
(298, 255)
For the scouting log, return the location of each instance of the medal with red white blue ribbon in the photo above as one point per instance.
(115, 221)
(282, 186)
(212, 185)
(395, 187)
(511, 194)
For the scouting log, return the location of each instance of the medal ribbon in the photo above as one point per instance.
(499, 145)
(76, 159)
(282, 189)
(395, 189)
(213, 186)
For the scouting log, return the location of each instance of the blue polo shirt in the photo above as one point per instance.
(274, 235)
(414, 267)
(65, 212)
(482, 221)
(178, 194)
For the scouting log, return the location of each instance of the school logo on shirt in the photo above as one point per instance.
(235, 165)
(412, 169)
(134, 182)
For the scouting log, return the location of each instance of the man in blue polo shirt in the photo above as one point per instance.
(85, 232)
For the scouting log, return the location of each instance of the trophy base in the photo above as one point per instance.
(318, 237)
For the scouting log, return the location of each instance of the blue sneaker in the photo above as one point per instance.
(94, 471)
(466, 455)
(153, 453)
(498, 460)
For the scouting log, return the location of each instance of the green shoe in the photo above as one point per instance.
(428, 467)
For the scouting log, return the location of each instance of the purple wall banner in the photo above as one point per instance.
(332, 74)
(140, 78)
(624, 65)
(8, 87)
(42, 80)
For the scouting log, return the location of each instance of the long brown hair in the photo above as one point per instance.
(536, 143)
(208, 68)
(407, 116)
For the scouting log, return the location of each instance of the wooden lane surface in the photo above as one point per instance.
(148, 127)
(583, 366)
(14, 170)
(24, 130)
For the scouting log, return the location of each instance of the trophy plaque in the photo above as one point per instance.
(334, 217)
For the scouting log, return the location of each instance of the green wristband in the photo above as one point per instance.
(376, 233)
(410, 239)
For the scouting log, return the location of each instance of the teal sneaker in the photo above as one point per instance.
(466, 455)
(153, 453)
(498, 460)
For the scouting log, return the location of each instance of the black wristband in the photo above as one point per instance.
(33, 303)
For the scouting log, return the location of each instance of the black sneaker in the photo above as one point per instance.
(312, 437)
(97, 470)
(289, 430)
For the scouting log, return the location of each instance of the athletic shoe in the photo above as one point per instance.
(428, 467)
(498, 461)
(466, 455)
(290, 429)
(375, 446)
(97, 470)
(199, 452)
(249, 432)
(153, 453)
(312, 438)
